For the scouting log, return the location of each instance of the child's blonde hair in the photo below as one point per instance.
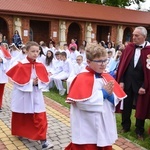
(95, 51)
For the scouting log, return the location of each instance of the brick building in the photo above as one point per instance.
(41, 19)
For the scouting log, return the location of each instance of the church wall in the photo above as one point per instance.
(54, 28)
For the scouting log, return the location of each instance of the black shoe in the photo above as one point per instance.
(0, 109)
(124, 130)
(140, 137)
(47, 145)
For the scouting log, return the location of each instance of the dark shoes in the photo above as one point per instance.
(0, 109)
(140, 137)
(124, 130)
(46, 145)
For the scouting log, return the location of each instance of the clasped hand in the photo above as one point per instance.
(109, 87)
(35, 81)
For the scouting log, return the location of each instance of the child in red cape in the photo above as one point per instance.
(4, 62)
(93, 96)
(27, 103)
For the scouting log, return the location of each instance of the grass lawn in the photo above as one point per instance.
(54, 94)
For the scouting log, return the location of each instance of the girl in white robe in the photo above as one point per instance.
(49, 65)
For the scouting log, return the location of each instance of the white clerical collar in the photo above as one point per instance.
(144, 44)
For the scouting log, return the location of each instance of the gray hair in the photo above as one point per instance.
(143, 30)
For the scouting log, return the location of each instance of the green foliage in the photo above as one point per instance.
(116, 3)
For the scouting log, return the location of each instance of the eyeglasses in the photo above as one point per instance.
(105, 61)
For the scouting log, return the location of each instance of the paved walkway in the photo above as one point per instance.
(58, 128)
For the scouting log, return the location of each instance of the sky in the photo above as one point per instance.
(144, 6)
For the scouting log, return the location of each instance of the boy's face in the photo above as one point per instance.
(98, 64)
(65, 47)
(33, 52)
(63, 58)
(79, 60)
(50, 45)
(57, 57)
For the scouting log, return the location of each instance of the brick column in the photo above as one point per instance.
(25, 29)
(55, 30)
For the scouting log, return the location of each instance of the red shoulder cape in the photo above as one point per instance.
(82, 86)
(21, 73)
(5, 52)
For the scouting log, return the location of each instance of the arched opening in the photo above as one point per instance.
(127, 36)
(74, 32)
(4, 29)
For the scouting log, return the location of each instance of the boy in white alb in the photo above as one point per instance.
(56, 68)
(83, 53)
(64, 74)
(27, 104)
(93, 96)
(73, 54)
(65, 49)
(77, 68)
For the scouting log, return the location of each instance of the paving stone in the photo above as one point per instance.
(65, 140)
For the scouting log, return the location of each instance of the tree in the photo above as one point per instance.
(116, 3)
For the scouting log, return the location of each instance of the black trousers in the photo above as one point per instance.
(127, 110)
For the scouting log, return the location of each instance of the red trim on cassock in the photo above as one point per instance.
(5, 52)
(31, 126)
(21, 73)
(73, 146)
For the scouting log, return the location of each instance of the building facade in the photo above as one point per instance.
(64, 20)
